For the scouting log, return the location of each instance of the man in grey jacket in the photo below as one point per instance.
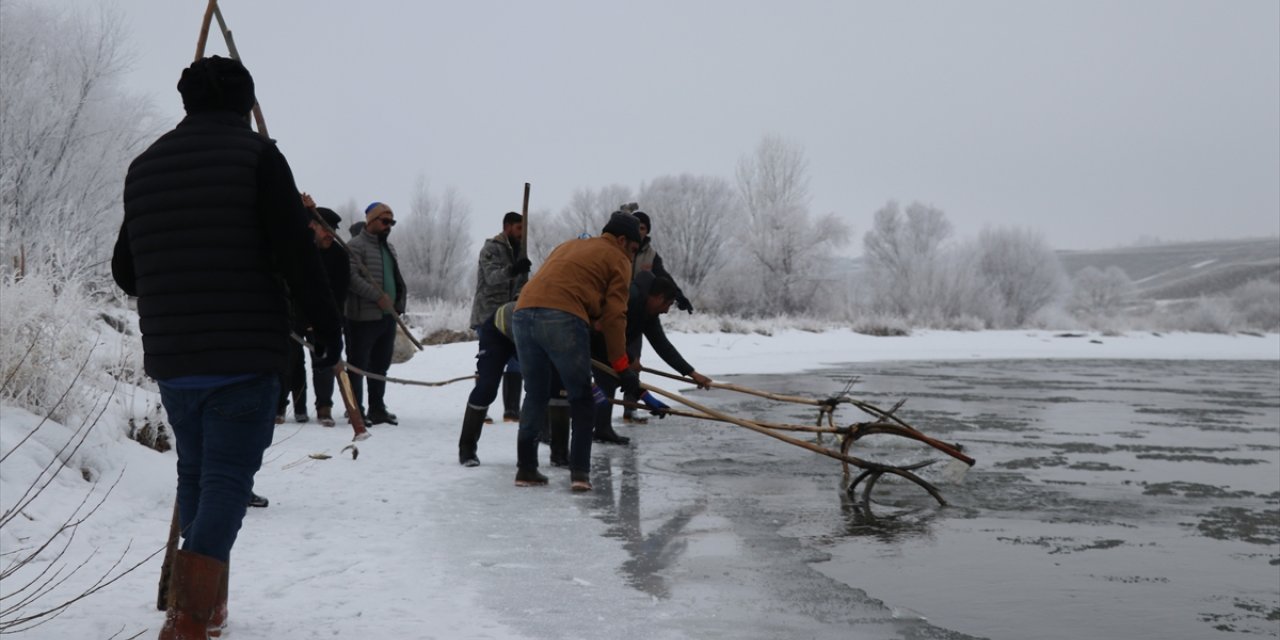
(500, 276)
(375, 294)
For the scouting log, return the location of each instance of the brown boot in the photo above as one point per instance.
(218, 623)
(195, 585)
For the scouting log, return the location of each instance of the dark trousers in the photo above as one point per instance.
(369, 347)
(220, 434)
(294, 381)
(495, 355)
(322, 381)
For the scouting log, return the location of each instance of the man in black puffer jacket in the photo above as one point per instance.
(214, 240)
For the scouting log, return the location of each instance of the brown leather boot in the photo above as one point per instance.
(218, 623)
(195, 586)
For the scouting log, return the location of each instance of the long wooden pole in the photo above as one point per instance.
(171, 545)
(524, 216)
(909, 431)
(204, 28)
(231, 48)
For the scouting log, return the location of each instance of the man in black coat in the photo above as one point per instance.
(337, 269)
(214, 237)
(650, 297)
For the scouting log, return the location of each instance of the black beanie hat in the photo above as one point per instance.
(216, 84)
(623, 225)
(644, 220)
(330, 216)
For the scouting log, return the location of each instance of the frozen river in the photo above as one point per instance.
(1111, 499)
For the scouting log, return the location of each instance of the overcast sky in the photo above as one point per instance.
(1093, 122)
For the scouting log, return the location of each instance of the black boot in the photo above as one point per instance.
(603, 430)
(558, 419)
(472, 424)
(380, 415)
(511, 396)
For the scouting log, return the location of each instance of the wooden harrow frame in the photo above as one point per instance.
(881, 422)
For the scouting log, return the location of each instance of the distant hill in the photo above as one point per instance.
(1186, 270)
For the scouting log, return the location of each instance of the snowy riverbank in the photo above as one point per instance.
(402, 542)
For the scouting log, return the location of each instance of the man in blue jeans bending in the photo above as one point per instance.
(213, 227)
(583, 281)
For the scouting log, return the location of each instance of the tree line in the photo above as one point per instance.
(746, 245)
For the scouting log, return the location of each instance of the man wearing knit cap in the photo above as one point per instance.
(375, 295)
(583, 282)
(213, 232)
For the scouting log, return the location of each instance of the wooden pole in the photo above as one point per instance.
(231, 48)
(524, 216)
(909, 431)
(171, 546)
(204, 28)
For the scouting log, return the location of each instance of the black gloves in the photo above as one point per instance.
(522, 265)
(683, 304)
(328, 351)
(630, 382)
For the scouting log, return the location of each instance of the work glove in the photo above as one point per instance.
(656, 406)
(630, 382)
(521, 266)
(683, 304)
(328, 350)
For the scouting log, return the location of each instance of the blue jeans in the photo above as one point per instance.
(547, 338)
(220, 433)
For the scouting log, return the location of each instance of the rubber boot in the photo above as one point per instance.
(472, 425)
(196, 584)
(603, 430)
(558, 419)
(218, 623)
(511, 396)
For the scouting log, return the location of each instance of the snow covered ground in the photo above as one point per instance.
(402, 542)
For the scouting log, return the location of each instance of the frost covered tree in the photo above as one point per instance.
(433, 242)
(587, 212)
(693, 217)
(67, 133)
(906, 267)
(1021, 272)
(1101, 292)
(787, 252)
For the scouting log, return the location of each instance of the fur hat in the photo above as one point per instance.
(374, 210)
(330, 216)
(217, 84)
(624, 225)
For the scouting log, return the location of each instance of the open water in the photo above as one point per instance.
(1111, 499)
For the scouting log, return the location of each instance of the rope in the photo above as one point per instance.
(361, 372)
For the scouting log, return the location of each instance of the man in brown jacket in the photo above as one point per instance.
(583, 282)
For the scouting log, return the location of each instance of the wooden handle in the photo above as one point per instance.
(524, 216)
(204, 28)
